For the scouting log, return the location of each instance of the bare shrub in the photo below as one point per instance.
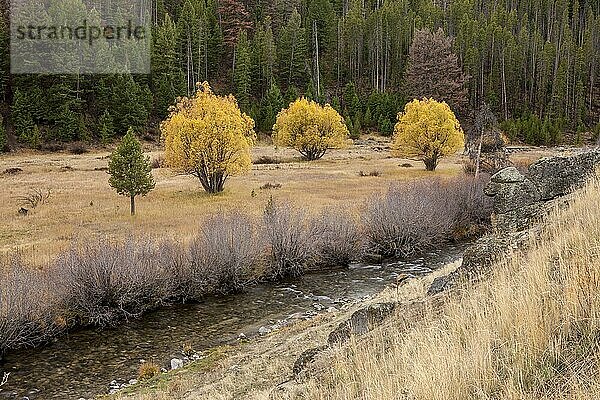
(27, 307)
(158, 161)
(34, 197)
(12, 171)
(338, 240)
(290, 240)
(105, 282)
(269, 185)
(373, 173)
(474, 208)
(468, 167)
(78, 148)
(415, 216)
(224, 253)
(267, 160)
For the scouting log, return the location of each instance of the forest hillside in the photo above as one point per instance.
(536, 63)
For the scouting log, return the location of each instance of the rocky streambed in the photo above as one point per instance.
(93, 361)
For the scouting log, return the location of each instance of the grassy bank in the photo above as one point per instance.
(102, 282)
(530, 332)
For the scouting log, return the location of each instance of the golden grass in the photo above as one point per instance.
(83, 206)
(529, 332)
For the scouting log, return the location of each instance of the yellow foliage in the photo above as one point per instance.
(429, 130)
(209, 137)
(310, 128)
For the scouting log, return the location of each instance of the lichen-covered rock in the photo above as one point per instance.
(440, 284)
(512, 196)
(361, 322)
(558, 176)
(518, 219)
(307, 357)
(480, 258)
(507, 175)
(521, 201)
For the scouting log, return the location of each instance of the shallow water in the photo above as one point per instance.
(82, 364)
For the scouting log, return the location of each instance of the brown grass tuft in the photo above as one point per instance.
(148, 370)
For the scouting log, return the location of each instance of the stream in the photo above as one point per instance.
(83, 364)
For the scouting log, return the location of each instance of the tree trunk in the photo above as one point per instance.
(478, 161)
(213, 183)
(430, 163)
(132, 201)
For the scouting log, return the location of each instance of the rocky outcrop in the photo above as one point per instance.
(361, 322)
(520, 203)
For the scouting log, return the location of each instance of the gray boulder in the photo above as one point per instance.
(361, 322)
(176, 363)
(558, 176)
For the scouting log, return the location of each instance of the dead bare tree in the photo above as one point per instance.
(34, 198)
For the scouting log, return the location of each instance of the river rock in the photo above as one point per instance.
(263, 330)
(306, 358)
(176, 363)
(361, 322)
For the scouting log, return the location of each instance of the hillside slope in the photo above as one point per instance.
(529, 332)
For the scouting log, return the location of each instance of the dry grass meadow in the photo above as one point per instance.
(82, 206)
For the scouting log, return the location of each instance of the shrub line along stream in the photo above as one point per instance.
(102, 283)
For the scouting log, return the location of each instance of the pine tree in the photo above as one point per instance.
(69, 125)
(241, 73)
(214, 41)
(351, 101)
(433, 71)
(35, 137)
(107, 128)
(21, 117)
(130, 171)
(263, 62)
(291, 52)
(291, 95)
(272, 105)
(130, 104)
(167, 76)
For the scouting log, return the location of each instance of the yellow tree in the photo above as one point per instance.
(209, 137)
(429, 130)
(310, 129)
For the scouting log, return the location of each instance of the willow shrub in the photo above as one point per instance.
(415, 216)
(100, 283)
